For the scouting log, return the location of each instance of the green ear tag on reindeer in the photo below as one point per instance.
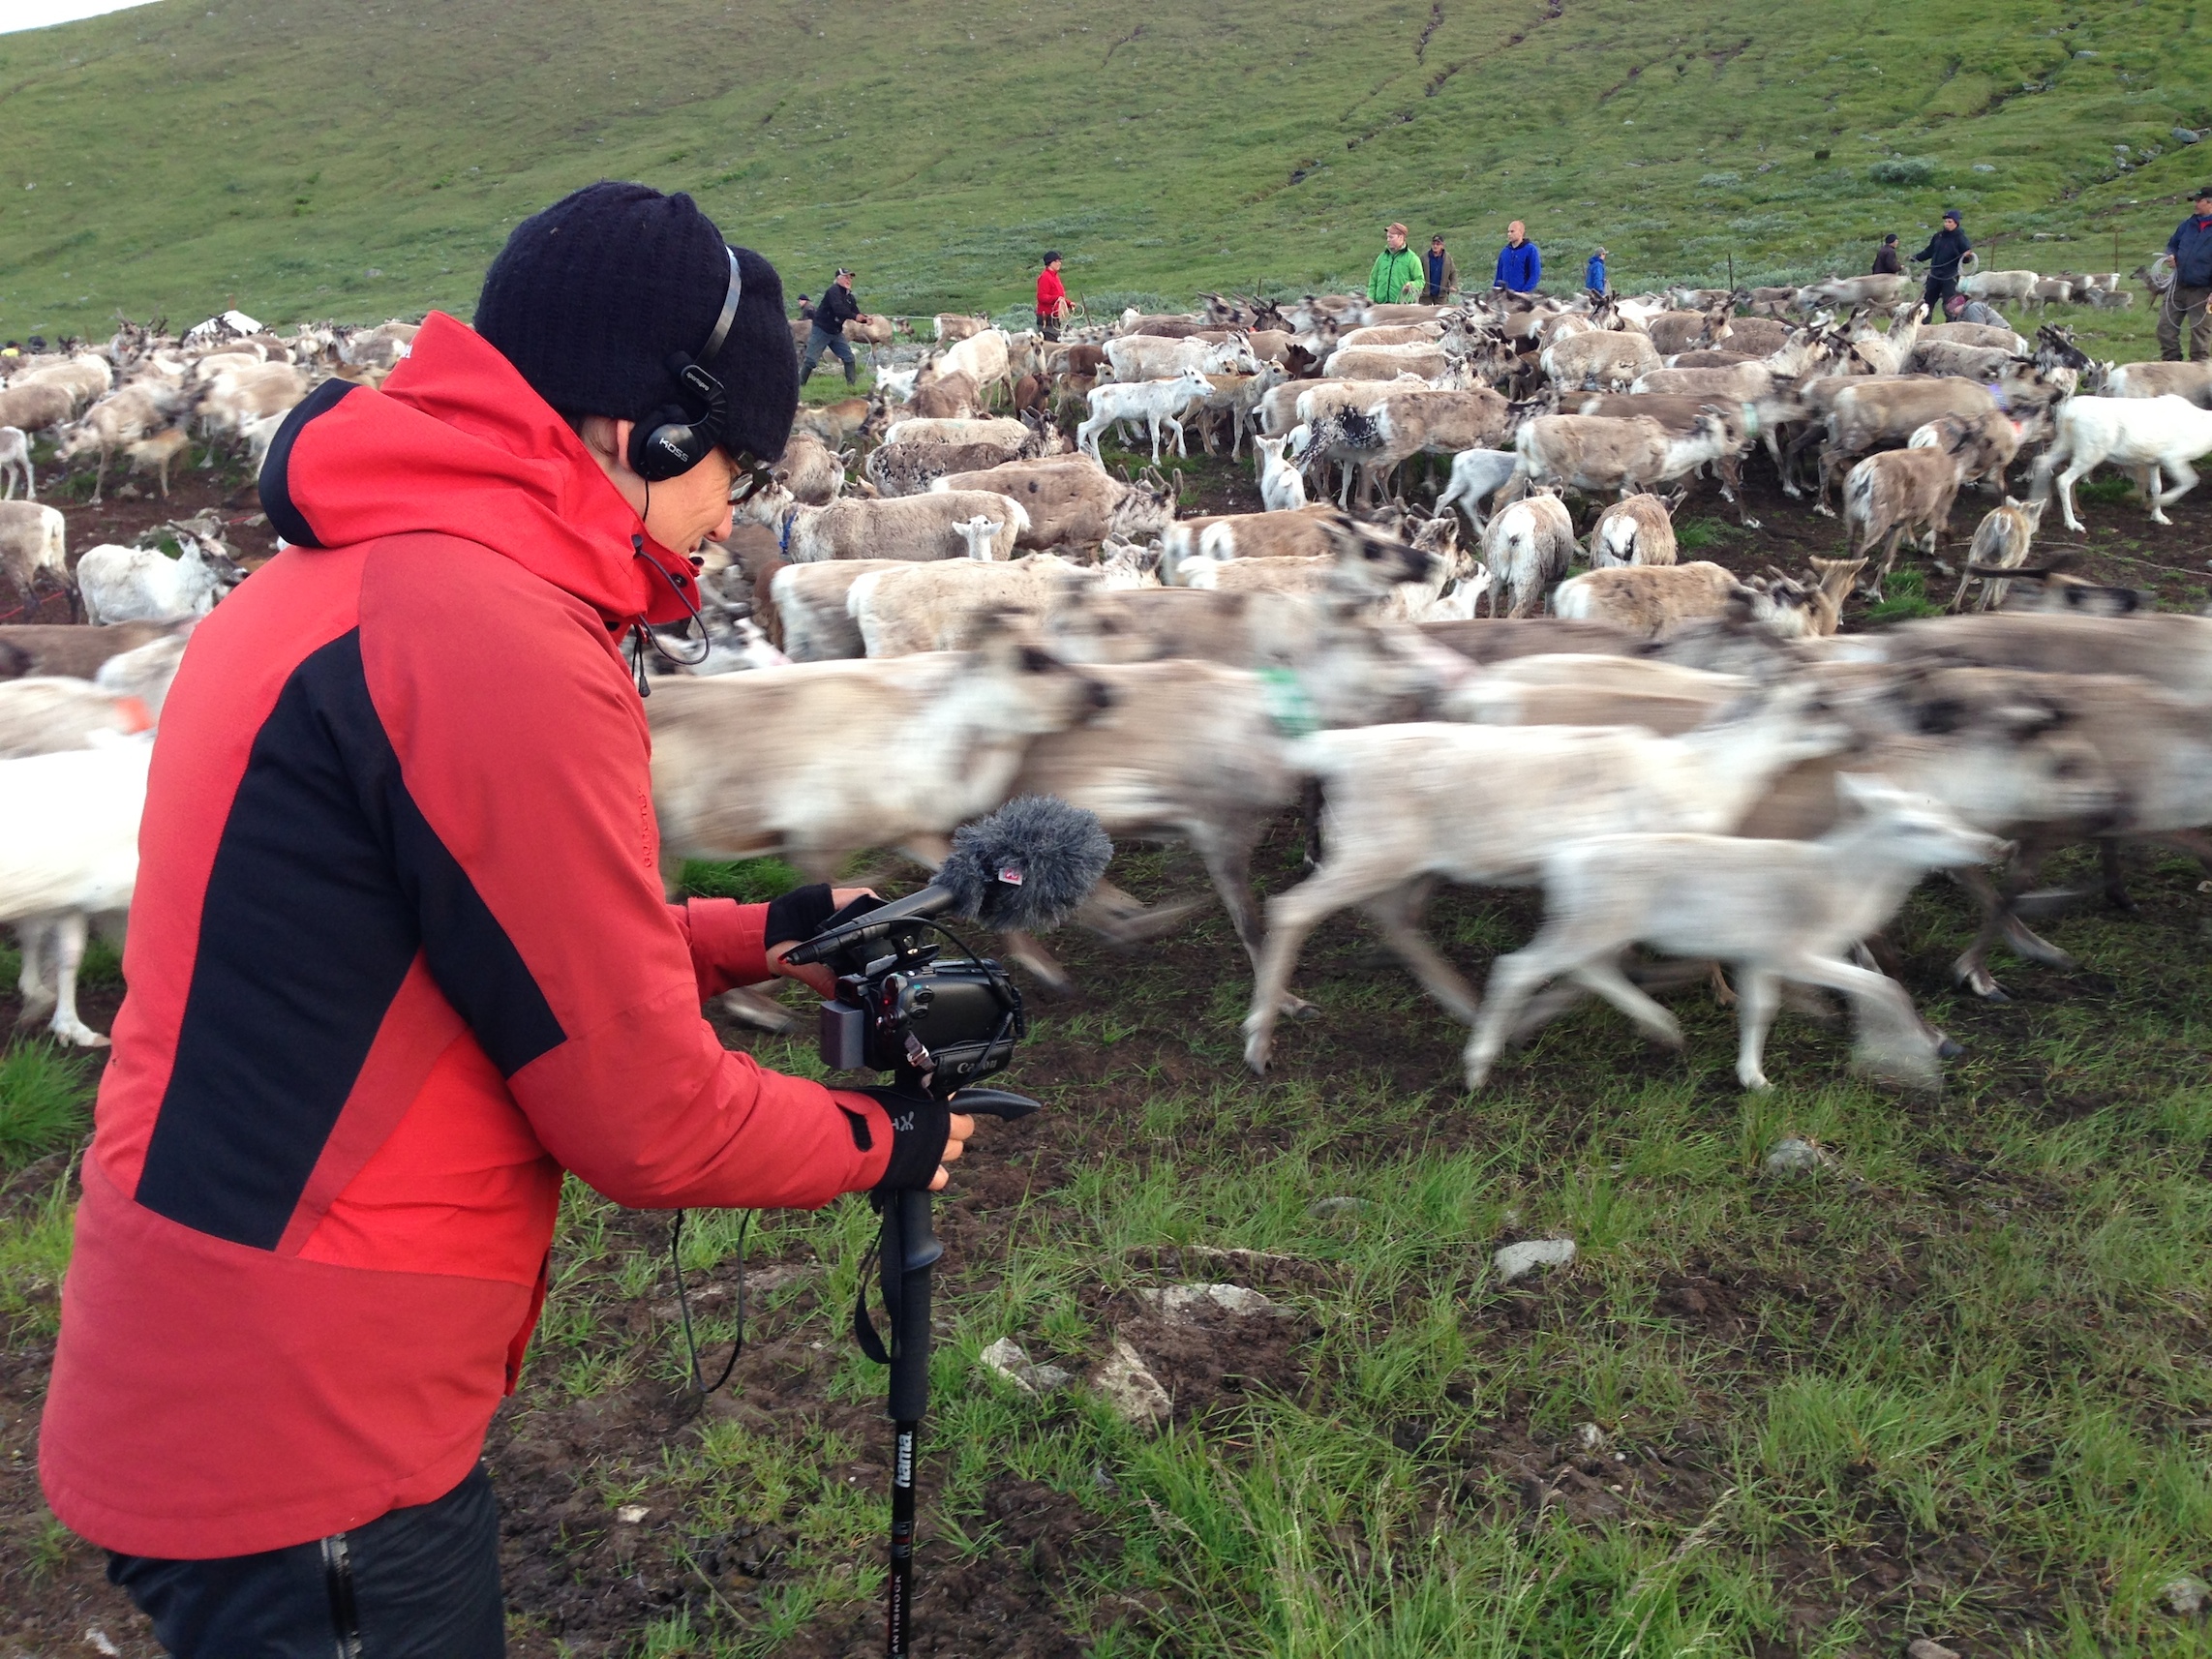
(1287, 703)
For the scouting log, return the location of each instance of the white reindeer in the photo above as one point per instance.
(979, 532)
(1282, 485)
(14, 462)
(2147, 436)
(1775, 909)
(68, 851)
(1156, 403)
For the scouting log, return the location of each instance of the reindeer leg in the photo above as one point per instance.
(2000, 921)
(69, 932)
(1290, 918)
(1966, 575)
(1722, 994)
(34, 937)
(1226, 852)
(1121, 918)
(2115, 877)
(1393, 916)
(1893, 1042)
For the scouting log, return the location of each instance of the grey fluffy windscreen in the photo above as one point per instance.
(1053, 852)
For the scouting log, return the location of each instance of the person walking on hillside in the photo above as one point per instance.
(1440, 275)
(1593, 274)
(2191, 246)
(1886, 261)
(1520, 265)
(832, 311)
(1942, 254)
(400, 959)
(1397, 273)
(1051, 297)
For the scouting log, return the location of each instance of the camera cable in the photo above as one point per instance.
(698, 1376)
(641, 635)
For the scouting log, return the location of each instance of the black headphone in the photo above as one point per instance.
(676, 436)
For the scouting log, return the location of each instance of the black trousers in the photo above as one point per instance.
(1939, 290)
(416, 1583)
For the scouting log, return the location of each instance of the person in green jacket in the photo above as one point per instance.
(1396, 269)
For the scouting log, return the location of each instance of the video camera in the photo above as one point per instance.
(910, 1009)
(948, 1023)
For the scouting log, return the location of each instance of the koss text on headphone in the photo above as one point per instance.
(676, 436)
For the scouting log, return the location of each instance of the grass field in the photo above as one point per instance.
(322, 158)
(1952, 1386)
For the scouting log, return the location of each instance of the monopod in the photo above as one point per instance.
(909, 1250)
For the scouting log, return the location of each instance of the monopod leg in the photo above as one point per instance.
(909, 1252)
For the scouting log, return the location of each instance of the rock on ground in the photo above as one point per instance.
(1182, 1301)
(2186, 1595)
(1008, 1359)
(1128, 1385)
(1793, 1155)
(1514, 1260)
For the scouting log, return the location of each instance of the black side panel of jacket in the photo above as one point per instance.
(326, 883)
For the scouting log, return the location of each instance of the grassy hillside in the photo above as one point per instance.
(333, 158)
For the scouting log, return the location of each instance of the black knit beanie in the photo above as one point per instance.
(589, 298)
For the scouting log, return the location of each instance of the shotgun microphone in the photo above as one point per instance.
(1026, 866)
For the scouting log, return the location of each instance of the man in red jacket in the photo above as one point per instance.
(399, 956)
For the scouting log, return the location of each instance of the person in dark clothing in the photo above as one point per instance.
(1943, 250)
(2190, 246)
(1440, 275)
(1886, 262)
(836, 307)
(805, 308)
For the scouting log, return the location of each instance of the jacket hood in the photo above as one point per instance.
(456, 443)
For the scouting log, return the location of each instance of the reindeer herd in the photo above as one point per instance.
(946, 599)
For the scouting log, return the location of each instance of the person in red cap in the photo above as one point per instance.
(399, 956)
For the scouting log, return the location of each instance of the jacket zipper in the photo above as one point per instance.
(338, 1579)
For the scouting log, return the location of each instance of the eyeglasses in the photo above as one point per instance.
(753, 476)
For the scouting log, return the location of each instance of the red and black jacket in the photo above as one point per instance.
(399, 958)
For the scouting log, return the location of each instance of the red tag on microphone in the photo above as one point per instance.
(1010, 875)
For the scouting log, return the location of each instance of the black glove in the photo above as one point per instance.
(797, 915)
(920, 1127)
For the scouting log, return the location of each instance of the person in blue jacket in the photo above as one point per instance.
(1593, 273)
(2191, 246)
(1520, 266)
